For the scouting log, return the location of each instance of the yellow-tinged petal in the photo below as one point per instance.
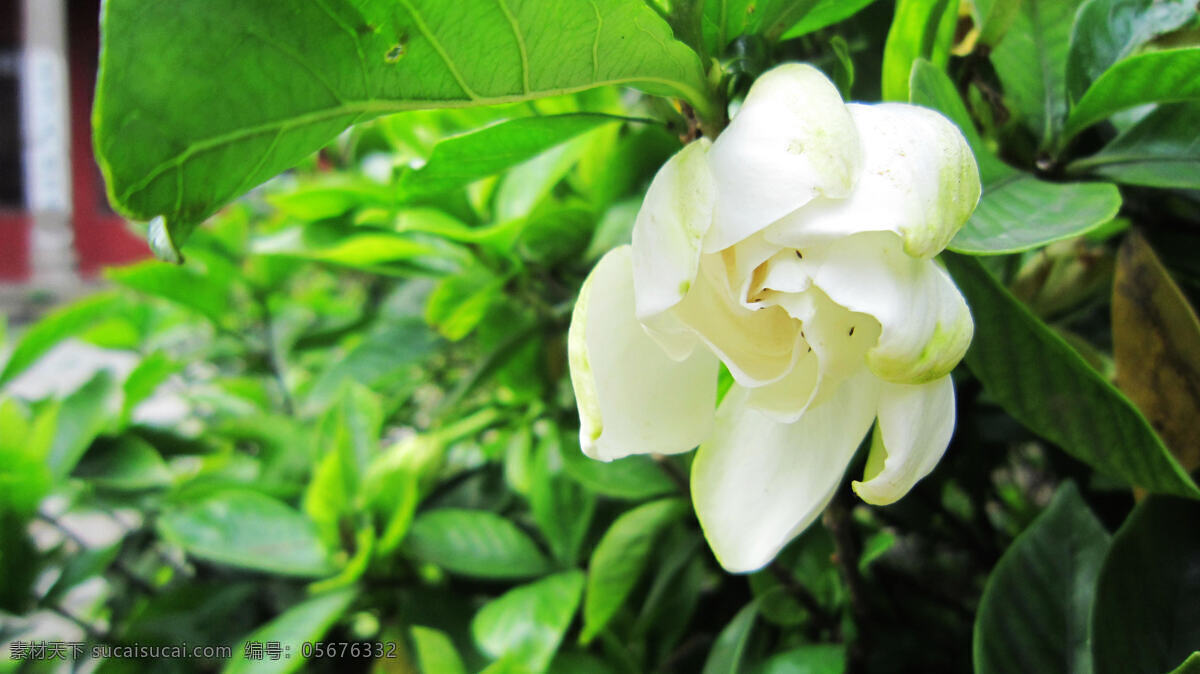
(757, 483)
(926, 325)
(915, 425)
(793, 140)
(632, 397)
(919, 180)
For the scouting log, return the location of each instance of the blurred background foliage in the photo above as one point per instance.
(345, 416)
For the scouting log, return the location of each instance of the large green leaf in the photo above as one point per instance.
(435, 651)
(633, 478)
(994, 17)
(304, 623)
(1046, 385)
(561, 506)
(525, 625)
(921, 29)
(1031, 62)
(620, 557)
(247, 529)
(55, 327)
(825, 13)
(809, 659)
(475, 543)
(461, 160)
(1036, 607)
(1147, 613)
(127, 463)
(729, 650)
(1017, 211)
(1107, 31)
(81, 417)
(1161, 150)
(1021, 212)
(1154, 77)
(238, 91)
(206, 294)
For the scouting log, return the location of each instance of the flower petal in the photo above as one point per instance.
(792, 140)
(926, 324)
(915, 423)
(632, 398)
(757, 346)
(919, 180)
(757, 483)
(837, 343)
(670, 227)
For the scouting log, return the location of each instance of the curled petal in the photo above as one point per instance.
(670, 227)
(758, 483)
(632, 397)
(792, 140)
(915, 425)
(919, 180)
(926, 324)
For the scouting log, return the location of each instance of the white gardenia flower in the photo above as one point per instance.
(798, 250)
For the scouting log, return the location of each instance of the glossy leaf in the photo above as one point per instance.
(205, 294)
(729, 650)
(246, 529)
(127, 463)
(1147, 612)
(525, 625)
(620, 558)
(304, 73)
(1031, 62)
(303, 623)
(825, 13)
(1156, 346)
(1153, 77)
(1107, 31)
(1161, 150)
(921, 29)
(809, 659)
(633, 478)
(55, 327)
(474, 543)
(81, 417)
(461, 160)
(1021, 212)
(1042, 382)
(1189, 666)
(1035, 611)
(435, 652)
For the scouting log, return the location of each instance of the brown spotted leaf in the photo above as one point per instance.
(1156, 345)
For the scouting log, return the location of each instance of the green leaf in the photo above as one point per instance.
(205, 294)
(1042, 382)
(24, 476)
(1189, 666)
(82, 416)
(1107, 31)
(1021, 212)
(330, 196)
(1154, 77)
(620, 558)
(459, 302)
(825, 13)
(921, 29)
(305, 72)
(461, 160)
(729, 650)
(1161, 150)
(83, 565)
(1147, 612)
(726, 20)
(391, 350)
(929, 86)
(303, 623)
(809, 659)
(246, 529)
(127, 463)
(1031, 62)
(55, 327)
(435, 651)
(1036, 606)
(633, 478)
(145, 379)
(474, 543)
(525, 625)
(561, 507)
(994, 18)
